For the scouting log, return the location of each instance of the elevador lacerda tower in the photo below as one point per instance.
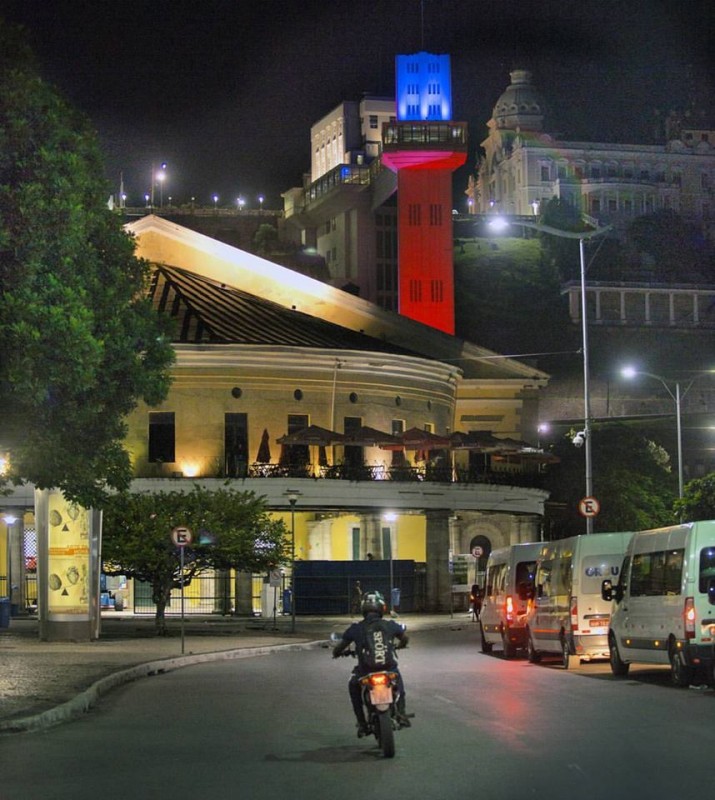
(424, 147)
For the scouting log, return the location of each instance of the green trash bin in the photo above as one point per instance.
(4, 612)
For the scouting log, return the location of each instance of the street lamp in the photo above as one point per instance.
(499, 224)
(677, 397)
(292, 496)
(215, 199)
(390, 517)
(261, 198)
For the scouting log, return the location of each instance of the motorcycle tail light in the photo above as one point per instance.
(379, 679)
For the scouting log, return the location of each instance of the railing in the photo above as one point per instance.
(439, 134)
(437, 473)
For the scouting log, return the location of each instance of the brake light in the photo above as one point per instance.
(509, 608)
(689, 617)
(574, 614)
(379, 678)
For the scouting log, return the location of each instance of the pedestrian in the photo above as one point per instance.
(475, 600)
(356, 598)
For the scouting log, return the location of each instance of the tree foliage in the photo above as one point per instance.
(632, 481)
(230, 530)
(672, 249)
(81, 345)
(698, 500)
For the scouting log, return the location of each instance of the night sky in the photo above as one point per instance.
(225, 91)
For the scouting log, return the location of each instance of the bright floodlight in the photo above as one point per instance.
(629, 372)
(498, 224)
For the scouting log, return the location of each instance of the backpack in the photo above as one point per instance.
(377, 650)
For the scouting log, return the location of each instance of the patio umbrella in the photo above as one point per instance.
(480, 441)
(264, 449)
(372, 437)
(312, 435)
(417, 439)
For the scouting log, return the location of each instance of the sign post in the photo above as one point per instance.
(181, 537)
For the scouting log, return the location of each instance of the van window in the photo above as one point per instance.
(496, 578)
(657, 574)
(543, 579)
(707, 568)
(525, 579)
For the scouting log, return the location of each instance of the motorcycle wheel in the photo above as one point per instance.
(385, 735)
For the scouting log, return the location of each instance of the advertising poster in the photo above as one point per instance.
(68, 564)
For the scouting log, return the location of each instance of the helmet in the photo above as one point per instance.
(372, 603)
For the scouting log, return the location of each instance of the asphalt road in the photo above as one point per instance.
(280, 726)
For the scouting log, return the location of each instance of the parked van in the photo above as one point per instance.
(508, 591)
(569, 616)
(664, 602)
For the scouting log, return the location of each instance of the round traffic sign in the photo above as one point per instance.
(588, 507)
(181, 535)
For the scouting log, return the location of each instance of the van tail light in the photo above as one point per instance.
(509, 608)
(574, 614)
(689, 617)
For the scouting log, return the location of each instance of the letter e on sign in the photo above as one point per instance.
(588, 507)
(181, 535)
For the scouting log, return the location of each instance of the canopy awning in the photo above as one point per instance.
(313, 435)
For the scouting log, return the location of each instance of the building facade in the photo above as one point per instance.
(264, 353)
(523, 166)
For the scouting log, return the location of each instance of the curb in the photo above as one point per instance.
(85, 700)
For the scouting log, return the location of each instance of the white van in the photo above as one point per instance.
(508, 591)
(664, 603)
(569, 615)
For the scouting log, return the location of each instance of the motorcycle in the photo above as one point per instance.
(380, 695)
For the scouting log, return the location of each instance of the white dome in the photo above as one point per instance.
(521, 105)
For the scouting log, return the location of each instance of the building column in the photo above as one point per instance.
(371, 535)
(439, 578)
(16, 561)
(243, 587)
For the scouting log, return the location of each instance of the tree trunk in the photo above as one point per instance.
(161, 594)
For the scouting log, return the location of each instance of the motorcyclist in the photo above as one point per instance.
(373, 607)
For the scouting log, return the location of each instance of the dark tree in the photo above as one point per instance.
(231, 530)
(632, 480)
(80, 344)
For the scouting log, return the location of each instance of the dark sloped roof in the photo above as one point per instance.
(208, 312)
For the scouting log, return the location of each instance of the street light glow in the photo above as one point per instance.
(499, 224)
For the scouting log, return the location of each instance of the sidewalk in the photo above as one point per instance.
(45, 683)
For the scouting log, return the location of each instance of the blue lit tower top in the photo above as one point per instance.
(424, 87)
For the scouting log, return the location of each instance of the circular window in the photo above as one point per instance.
(236, 392)
(298, 394)
(353, 397)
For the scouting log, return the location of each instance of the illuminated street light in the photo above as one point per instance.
(215, 199)
(261, 198)
(677, 397)
(499, 224)
(292, 496)
(161, 177)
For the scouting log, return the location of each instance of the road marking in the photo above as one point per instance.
(444, 699)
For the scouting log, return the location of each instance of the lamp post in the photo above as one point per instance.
(498, 224)
(292, 499)
(677, 397)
